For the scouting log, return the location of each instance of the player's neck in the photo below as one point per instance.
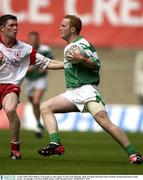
(8, 42)
(73, 38)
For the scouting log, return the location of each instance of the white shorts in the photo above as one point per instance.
(83, 95)
(31, 85)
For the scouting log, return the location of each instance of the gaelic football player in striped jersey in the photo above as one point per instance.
(81, 65)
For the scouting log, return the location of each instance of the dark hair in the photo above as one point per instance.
(5, 18)
(34, 33)
(74, 22)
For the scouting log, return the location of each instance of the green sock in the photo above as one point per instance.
(130, 150)
(55, 137)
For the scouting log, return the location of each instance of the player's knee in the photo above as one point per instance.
(44, 108)
(10, 111)
(102, 119)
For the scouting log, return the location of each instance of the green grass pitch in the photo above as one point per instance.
(87, 153)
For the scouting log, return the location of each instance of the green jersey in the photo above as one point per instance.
(36, 73)
(77, 74)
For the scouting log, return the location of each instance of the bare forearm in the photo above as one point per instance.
(85, 61)
(88, 63)
(55, 64)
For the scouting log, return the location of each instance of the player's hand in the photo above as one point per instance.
(31, 68)
(1, 57)
(42, 70)
(73, 54)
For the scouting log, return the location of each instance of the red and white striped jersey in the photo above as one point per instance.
(16, 61)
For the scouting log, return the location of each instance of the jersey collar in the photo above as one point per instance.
(78, 38)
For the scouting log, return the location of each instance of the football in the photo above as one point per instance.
(71, 50)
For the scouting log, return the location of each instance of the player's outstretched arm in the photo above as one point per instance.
(55, 64)
(47, 63)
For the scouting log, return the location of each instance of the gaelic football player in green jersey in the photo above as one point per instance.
(82, 65)
(36, 80)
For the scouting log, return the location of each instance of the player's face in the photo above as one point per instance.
(33, 40)
(10, 28)
(65, 29)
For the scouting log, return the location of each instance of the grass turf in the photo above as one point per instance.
(87, 153)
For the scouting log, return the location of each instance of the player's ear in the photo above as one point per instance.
(73, 29)
(1, 28)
